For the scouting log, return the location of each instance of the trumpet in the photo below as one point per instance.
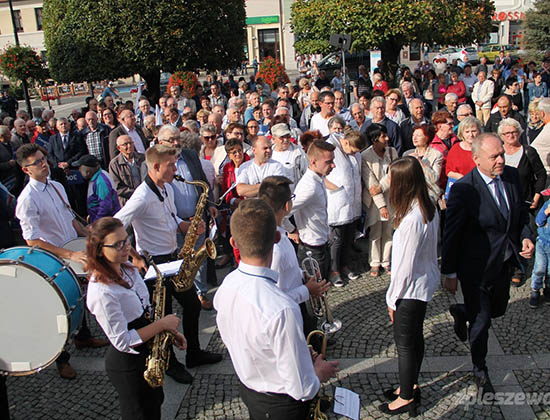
(319, 305)
(319, 403)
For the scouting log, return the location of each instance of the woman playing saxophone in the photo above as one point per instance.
(118, 298)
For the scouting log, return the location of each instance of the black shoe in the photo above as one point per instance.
(407, 408)
(534, 299)
(390, 394)
(546, 295)
(461, 330)
(201, 357)
(178, 373)
(484, 385)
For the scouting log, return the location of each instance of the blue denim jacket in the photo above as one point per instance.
(543, 228)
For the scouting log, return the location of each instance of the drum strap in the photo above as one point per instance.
(75, 214)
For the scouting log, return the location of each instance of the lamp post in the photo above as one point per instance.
(25, 86)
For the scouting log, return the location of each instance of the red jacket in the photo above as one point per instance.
(459, 89)
(229, 179)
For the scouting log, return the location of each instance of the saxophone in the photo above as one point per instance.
(157, 361)
(193, 259)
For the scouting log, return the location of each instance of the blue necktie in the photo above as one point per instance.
(500, 198)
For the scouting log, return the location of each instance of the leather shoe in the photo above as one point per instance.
(66, 371)
(484, 385)
(390, 394)
(461, 330)
(178, 373)
(201, 357)
(90, 342)
(206, 304)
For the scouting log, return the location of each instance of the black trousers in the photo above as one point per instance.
(479, 307)
(189, 302)
(408, 323)
(137, 400)
(273, 406)
(341, 242)
(319, 253)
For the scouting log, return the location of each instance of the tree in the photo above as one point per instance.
(388, 25)
(91, 40)
(20, 63)
(538, 26)
(272, 72)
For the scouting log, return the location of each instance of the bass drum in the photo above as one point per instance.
(41, 306)
(77, 244)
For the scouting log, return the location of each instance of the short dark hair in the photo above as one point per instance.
(26, 151)
(326, 93)
(230, 127)
(374, 131)
(275, 191)
(510, 81)
(319, 146)
(253, 228)
(231, 144)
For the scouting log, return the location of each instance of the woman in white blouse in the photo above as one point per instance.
(118, 298)
(414, 278)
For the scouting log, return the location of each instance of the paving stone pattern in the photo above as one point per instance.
(366, 335)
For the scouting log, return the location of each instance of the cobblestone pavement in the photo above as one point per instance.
(519, 364)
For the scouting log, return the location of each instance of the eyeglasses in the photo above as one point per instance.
(292, 197)
(172, 140)
(37, 162)
(209, 137)
(510, 133)
(119, 245)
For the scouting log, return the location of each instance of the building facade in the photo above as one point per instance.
(28, 21)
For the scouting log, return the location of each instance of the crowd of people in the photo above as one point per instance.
(292, 172)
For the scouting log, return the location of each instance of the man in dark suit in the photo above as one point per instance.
(128, 127)
(66, 146)
(486, 230)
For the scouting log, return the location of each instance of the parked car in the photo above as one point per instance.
(333, 61)
(492, 51)
(451, 53)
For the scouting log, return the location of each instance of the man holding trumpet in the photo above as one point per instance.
(269, 352)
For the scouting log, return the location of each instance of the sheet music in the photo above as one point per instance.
(168, 269)
(213, 229)
(227, 192)
(347, 403)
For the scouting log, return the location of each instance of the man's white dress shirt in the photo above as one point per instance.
(309, 208)
(155, 222)
(43, 214)
(262, 329)
(285, 263)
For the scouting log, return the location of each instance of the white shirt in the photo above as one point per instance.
(513, 160)
(294, 162)
(43, 215)
(492, 188)
(310, 209)
(250, 173)
(319, 123)
(414, 274)
(264, 337)
(155, 222)
(115, 306)
(285, 263)
(138, 143)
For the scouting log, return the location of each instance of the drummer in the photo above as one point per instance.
(47, 222)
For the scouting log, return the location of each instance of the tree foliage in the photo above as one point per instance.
(20, 63)
(389, 24)
(538, 26)
(91, 40)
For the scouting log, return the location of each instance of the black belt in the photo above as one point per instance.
(314, 246)
(136, 324)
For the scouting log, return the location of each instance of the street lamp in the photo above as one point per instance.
(25, 86)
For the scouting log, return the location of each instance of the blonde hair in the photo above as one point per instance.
(158, 154)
